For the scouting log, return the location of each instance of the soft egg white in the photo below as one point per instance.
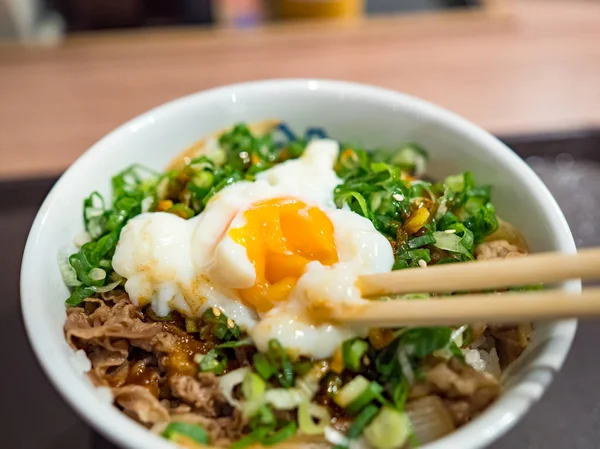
(192, 265)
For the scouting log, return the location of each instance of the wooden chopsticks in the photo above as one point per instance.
(501, 308)
(507, 307)
(547, 268)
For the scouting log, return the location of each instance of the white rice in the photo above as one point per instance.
(81, 362)
(483, 360)
(104, 394)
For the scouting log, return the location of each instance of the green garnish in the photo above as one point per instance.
(194, 432)
(215, 361)
(133, 190)
(220, 326)
(353, 352)
(275, 363)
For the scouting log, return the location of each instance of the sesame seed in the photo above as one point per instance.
(398, 197)
(450, 231)
(216, 311)
(230, 323)
(422, 263)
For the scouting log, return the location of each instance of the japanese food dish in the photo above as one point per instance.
(198, 294)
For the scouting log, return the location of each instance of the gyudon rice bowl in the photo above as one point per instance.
(196, 292)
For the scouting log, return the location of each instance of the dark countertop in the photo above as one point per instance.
(34, 416)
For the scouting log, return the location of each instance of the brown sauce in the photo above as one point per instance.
(140, 374)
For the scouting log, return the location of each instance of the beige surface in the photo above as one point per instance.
(535, 69)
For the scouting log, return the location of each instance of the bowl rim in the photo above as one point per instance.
(122, 430)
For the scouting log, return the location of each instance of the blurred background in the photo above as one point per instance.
(73, 70)
(50, 20)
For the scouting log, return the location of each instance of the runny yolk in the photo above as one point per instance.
(281, 236)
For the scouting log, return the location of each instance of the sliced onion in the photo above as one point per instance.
(229, 381)
(429, 418)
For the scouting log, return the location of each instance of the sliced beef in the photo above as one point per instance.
(140, 404)
(150, 366)
(497, 249)
(465, 391)
(107, 333)
(201, 392)
(511, 341)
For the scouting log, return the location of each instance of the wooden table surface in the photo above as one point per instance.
(534, 69)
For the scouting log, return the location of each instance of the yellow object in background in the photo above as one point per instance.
(319, 9)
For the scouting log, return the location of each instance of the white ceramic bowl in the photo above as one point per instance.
(351, 112)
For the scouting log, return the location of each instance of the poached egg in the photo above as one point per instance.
(268, 254)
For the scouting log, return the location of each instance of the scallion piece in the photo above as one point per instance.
(191, 431)
(285, 433)
(253, 387)
(388, 430)
(285, 372)
(371, 393)
(181, 210)
(307, 413)
(190, 326)
(353, 352)
(351, 391)
(78, 295)
(215, 361)
(263, 366)
(362, 420)
(243, 442)
(236, 344)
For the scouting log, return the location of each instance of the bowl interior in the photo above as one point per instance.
(352, 113)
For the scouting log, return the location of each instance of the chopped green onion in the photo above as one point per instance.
(68, 273)
(263, 366)
(284, 398)
(388, 430)
(423, 240)
(253, 387)
(190, 325)
(285, 433)
(215, 361)
(362, 420)
(352, 353)
(78, 295)
(302, 368)
(285, 371)
(203, 180)
(236, 344)
(370, 394)
(221, 327)
(351, 391)
(244, 442)
(307, 413)
(181, 210)
(192, 431)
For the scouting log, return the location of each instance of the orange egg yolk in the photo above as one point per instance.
(281, 236)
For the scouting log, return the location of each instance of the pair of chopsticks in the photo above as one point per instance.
(547, 268)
